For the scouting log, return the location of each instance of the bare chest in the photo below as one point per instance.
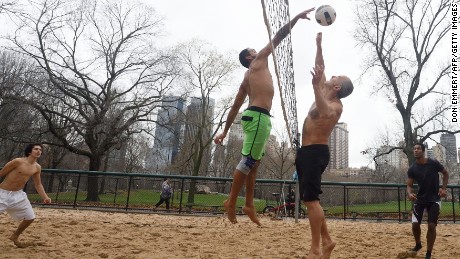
(24, 170)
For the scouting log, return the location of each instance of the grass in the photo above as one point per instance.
(140, 198)
(147, 198)
(392, 206)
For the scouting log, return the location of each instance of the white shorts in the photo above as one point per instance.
(16, 204)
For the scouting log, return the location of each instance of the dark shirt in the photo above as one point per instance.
(427, 177)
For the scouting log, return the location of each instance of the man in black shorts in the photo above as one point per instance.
(425, 171)
(313, 157)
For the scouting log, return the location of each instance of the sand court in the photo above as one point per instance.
(62, 233)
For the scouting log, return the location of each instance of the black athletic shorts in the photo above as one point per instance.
(310, 162)
(432, 209)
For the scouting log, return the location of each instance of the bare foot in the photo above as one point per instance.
(16, 242)
(231, 212)
(251, 212)
(327, 250)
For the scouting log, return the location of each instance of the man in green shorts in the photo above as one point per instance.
(258, 85)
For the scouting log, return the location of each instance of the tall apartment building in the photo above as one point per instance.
(396, 158)
(450, 143)
(458, 154)
(194, 118)
(167, 134)
(236, 130)
(338, 146)
(437, 152)
(196, 125)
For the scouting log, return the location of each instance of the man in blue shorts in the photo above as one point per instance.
(258, 86)
(313, 157)
(425, 172)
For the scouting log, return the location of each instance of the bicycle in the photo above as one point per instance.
(287, 209)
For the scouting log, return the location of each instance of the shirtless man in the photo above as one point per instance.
(258, 85)
(13, 200)
(313, 157)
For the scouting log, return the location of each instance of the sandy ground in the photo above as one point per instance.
(59, 233)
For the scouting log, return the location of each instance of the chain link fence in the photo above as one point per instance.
(205, 195)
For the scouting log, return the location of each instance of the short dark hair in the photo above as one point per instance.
(346, 88)
(243, 54)
(29, 148)
(421, 145)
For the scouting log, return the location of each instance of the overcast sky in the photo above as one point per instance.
(237, 24)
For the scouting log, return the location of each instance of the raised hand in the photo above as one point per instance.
(304, 14)
(319, 38)
(317, 74)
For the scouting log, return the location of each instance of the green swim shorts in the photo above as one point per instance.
(256, 127)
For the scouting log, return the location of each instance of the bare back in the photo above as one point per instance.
(17, 173)
(258, 83)
(317, 128)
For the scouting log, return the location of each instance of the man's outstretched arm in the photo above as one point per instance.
(283, 32)
(319, 61)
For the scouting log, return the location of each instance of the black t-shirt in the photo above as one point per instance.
(427, 177)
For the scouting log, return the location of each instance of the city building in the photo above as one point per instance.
(194, 118)
(236, 130)
(450, 143)
(458, 154)
(396, 158)
(338, 147)
(167, 133)
(437, 152)
(196, 126)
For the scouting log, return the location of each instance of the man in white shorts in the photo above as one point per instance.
(13, 200)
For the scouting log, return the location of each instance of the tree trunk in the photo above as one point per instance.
(195, 172)
(104, 169)
(94, 165)
(410, 138)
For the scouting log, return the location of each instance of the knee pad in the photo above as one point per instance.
(246, 164)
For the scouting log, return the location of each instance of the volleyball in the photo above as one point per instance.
(325, 15)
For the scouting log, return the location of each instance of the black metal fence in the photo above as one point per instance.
(205, 195)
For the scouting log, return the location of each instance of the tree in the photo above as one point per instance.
(7, 7)
(99, 77)
(404, 38)
(227, 157)
(205, 72)
(16, 119)
(279, 159)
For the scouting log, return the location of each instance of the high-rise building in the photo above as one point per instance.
(450, 143)
(236, 130)
(196, 126)
(167, 134)
(437, 152)
(391, 159)
(458, 154)
(194, 119)
(338, 146)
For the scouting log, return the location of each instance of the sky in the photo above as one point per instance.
(233, 25)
